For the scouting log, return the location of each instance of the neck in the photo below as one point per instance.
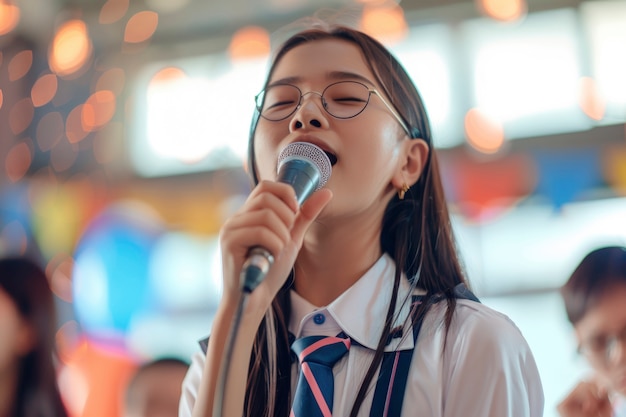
(334, 256)
(8, 391)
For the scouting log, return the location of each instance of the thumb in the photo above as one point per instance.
(305, 217)
(309, 211)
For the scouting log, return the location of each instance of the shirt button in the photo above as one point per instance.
(319, 318)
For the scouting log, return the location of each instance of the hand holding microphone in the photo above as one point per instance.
(269, 218)
(306, 168)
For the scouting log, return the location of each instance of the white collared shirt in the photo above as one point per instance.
(486, 370)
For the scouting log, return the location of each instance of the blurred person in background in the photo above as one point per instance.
(28, 378)
(155, 389)
(595, 302)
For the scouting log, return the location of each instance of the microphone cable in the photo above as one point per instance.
(220, 389)
(253, 271)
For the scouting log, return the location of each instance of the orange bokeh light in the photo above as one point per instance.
(249, 42)
(141, 26)
(483, 133)
(44, 89)
(73, 125)
(71, 48)
(59, 272)
(68, 336)
(112, 11)
(168, 74)
(50, 131)
(107, 142)
(503, 10)
(98, 110)
(1, 98)
(591, 101)
(63, 156)
(18, 161)
(384, 22)
(112, 79)
(9, 17)
(20, 65)
(21, 115)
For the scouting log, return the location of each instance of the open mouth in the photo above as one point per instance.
(332, 157)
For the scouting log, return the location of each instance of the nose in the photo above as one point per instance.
(310, 113)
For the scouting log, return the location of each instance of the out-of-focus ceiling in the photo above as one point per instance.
(197, 18)
(182, 24)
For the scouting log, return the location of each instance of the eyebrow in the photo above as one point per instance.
(333, 75)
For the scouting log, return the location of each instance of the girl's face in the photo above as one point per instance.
(601, 334)
(14, 333)
(368, 147)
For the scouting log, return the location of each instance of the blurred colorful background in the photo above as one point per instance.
(123, 130)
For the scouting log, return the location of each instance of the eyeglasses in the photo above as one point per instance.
(603, 350)
(342, 100)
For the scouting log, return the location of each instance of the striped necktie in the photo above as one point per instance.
(314, 392)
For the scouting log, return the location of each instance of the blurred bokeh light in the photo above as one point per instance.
(9, 16)
(71, 48)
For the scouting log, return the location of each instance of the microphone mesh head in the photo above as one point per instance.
(310, 152)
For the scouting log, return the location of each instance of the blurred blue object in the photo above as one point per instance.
(566, 175)
(111, 272)
(15, 225)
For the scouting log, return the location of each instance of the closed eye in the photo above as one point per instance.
(280, 104)
(357, 99)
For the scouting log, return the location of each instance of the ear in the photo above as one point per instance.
(415, 154)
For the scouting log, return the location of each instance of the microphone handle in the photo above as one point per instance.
(255, 268)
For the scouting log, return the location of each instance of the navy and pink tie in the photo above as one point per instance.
(317, 356)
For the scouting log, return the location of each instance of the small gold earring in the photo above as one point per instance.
(403, 191)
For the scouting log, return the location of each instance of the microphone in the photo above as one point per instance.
(306, 168)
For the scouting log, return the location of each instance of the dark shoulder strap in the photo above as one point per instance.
(394, 371)
(461, 292)
(204, 344)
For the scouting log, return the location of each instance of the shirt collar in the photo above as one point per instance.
(361, 309)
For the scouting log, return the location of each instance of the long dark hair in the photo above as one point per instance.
(597, 273)
(37, 393)
(416, 233)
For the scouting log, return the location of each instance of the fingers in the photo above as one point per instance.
(270, 218)
(308, 213)
(268, 227)
(587, 399)
(265, 220)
